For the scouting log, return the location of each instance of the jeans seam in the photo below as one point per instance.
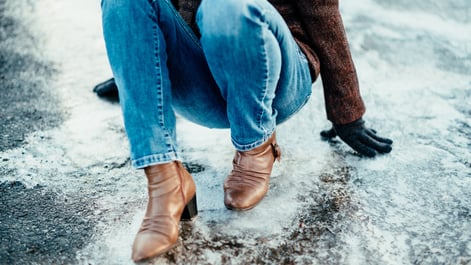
(157, 68)
(266, 68)
(183, 24)
(160, 82)
(265, 78)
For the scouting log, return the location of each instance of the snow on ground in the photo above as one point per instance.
(325, 205)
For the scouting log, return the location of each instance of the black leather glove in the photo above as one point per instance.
(361, 139)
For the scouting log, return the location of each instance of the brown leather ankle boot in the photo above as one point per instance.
(172, 196)
(248, 181)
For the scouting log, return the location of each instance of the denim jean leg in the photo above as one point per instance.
(137, 53)
(253, 58)
(196, 95)
(159, 66)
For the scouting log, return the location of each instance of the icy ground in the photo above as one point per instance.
(325, 205)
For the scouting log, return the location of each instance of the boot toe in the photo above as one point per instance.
(241, 200)
(147, 245)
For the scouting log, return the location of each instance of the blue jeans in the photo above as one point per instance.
(245, 73)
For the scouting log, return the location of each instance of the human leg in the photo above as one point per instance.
(256, 63)
(140, 37)
(264, 79)
(159, 66)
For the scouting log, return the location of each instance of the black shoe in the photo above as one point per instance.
(107, 90)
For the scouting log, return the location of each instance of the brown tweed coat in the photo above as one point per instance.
(318, 29)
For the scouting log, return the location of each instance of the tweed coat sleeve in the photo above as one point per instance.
(323, 24)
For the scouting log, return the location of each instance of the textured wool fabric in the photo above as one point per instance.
(318, 29)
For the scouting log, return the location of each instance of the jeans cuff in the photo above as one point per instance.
(155, 159)
(250, 146)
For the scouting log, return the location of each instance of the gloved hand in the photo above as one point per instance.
(361, 139)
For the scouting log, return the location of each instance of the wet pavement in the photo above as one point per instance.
(25, 77)
(70, 196)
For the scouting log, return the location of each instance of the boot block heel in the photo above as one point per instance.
(190, 210)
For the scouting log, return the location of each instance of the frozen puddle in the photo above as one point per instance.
(325, 204)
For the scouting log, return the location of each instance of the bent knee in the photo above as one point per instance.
(217, 15)
(216, 7)
(123, 7)
(227, 8)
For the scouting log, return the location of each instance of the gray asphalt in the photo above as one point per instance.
(36, 225)
(26, 104)
(68, 194)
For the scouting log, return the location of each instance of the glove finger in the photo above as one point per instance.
(375, 144)
(362, 148)
(328, 134)
(373, 134)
